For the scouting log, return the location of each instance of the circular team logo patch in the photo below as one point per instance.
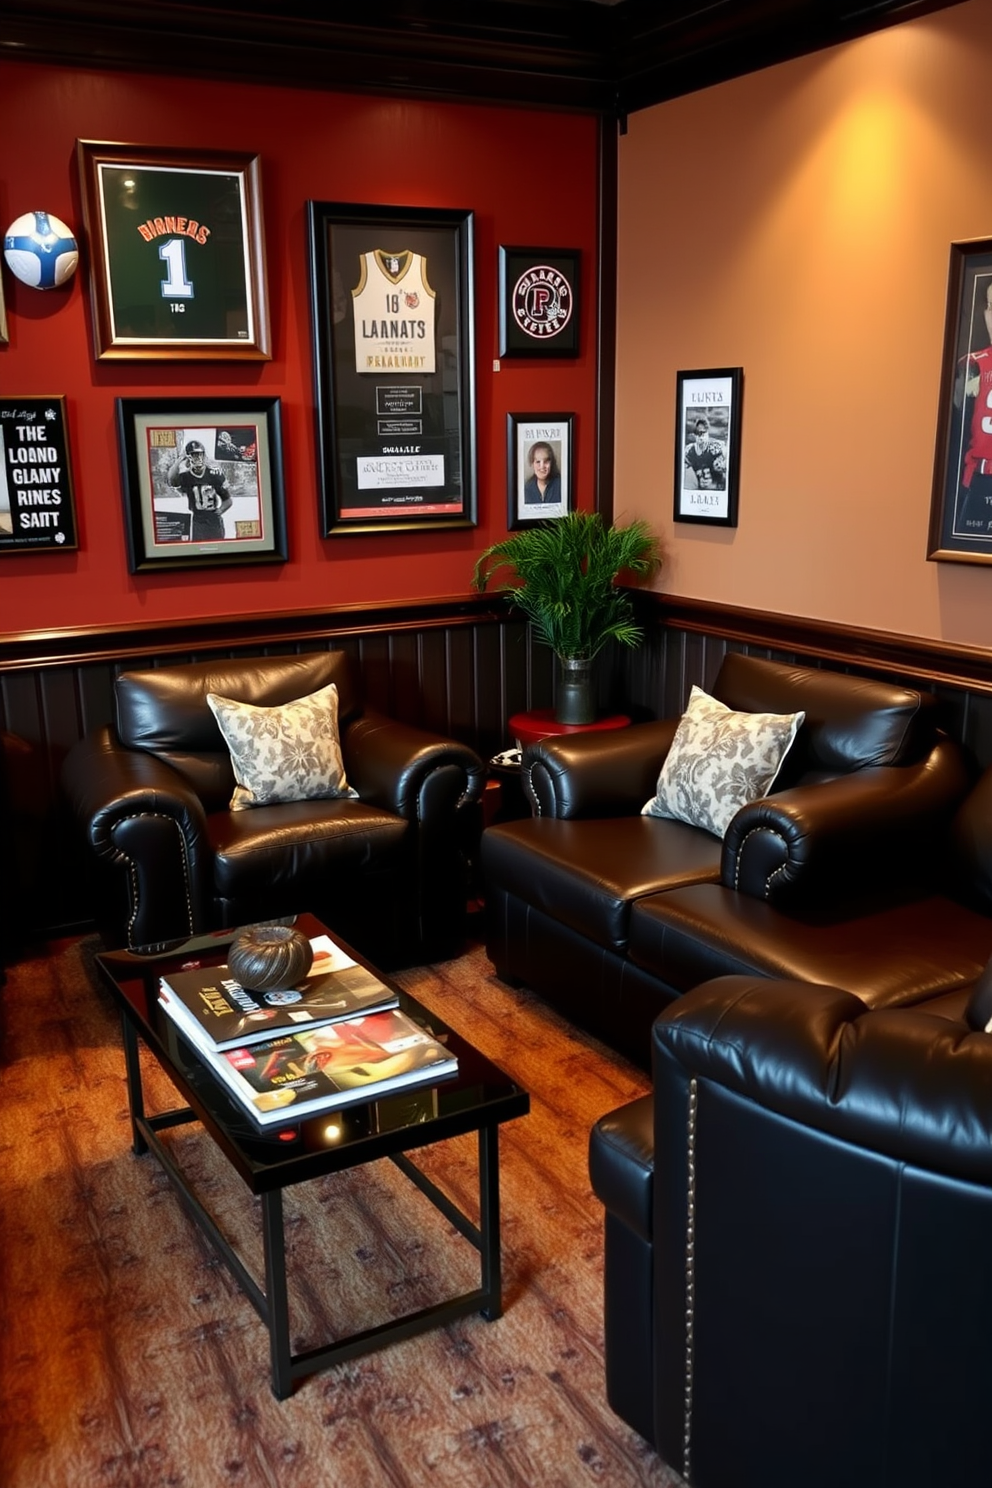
(542, 302)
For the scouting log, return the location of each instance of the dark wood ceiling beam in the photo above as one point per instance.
(563, 54)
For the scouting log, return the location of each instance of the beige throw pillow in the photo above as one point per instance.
(719, 760)
(287, 753)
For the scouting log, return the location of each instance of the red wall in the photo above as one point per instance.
(529, 177)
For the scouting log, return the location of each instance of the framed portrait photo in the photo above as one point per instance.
(202, 482)
(394, 367)
(961, 502)
(538, 302)
(539, 459)
(708, 445)
(37, 513)
(177, 262)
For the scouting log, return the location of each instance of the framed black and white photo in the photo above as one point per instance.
(538, 302)
(394, 367)
(202, 482)
(961, 502)
(708, 445)
(177, 260)
(37, 513)
(539, 460)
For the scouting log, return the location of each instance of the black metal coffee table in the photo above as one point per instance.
(269, 1159)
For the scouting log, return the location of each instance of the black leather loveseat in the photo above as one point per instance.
(798, 1229)
(855, 870)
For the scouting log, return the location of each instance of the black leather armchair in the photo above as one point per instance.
(171, 860)
(798, 1227)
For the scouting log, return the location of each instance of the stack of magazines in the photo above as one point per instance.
(335, 1038)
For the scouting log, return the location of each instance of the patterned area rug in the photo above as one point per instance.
(131, 1360)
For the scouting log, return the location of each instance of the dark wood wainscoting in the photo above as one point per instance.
(461, 666)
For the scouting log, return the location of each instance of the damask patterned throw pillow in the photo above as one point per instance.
(287, 753)
(718, 761)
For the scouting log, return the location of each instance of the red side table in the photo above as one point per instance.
(540, 723)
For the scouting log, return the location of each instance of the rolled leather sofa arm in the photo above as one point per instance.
(421, 776)
(124, 799)
(907, 1084)
(612, 773)
(824, 843)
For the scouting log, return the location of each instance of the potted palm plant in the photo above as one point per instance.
(563, 576)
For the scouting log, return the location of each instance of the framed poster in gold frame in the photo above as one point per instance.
(177, 262)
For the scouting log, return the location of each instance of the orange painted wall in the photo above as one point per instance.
(530, 178)
(797, 223)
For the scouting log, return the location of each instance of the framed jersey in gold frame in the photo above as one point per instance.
(177, 260)
(708, 445)
(202, 482)
(391, 292)
(961, 503)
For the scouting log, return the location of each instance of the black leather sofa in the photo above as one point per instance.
(150, 793)
(798, 1229)
(859, 869)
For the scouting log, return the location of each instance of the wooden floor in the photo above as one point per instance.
(130, 1358)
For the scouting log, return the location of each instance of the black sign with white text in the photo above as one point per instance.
(36, 506)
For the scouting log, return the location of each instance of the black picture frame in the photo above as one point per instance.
(538, 302)
(394, 386)
(527, 505)
(708, 406)
(242, 458)
(961, 498)
(177, 254)
(37, 510)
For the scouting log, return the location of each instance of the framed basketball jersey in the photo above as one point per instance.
(391, 299)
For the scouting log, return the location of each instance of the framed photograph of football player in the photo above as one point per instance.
(539, 467)
(708, 445)
(961, 503)
(37, 514)
(202, 482)
(177, 261)
(394, 367)
(538, 302)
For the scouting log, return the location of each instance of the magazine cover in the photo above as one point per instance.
(337, 1064)
(231, 1015)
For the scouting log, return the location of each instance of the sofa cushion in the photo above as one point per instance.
(290, 752)
(851, 722)
(297, 848)
(902, 954)
(720, 760)
(163, 711)
(587, 874)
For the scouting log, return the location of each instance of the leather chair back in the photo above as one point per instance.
(851, 722)
(164, 711)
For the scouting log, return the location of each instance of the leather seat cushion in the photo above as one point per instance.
(300, 843)
(903, 954)
(587, 874)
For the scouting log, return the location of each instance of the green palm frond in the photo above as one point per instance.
(563, 574)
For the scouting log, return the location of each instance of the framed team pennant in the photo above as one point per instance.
(394, 367)
(177, 263)
(202, 482)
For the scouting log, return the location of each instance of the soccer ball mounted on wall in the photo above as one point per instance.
(40, 250)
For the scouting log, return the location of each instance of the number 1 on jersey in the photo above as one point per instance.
(175, 286)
